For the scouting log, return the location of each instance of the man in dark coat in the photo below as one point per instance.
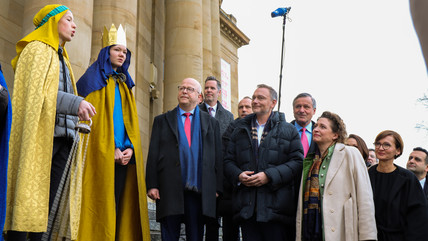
(263, 160)
(304, 107)
(418, 164)
(211, 92)
(184, 165)
(212, 106)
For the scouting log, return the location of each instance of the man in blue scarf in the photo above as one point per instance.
(184, 166)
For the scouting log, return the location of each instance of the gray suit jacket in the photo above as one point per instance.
(223, 116)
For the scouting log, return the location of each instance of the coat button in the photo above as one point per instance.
(330, 193)
(331, 210)
(333, 229)
(323, 167)
(322, 185)
(322, 175)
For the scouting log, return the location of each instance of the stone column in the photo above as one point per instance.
(207, 41)
(216, 38)
(183, 46)
(122, 12)
(79, 48)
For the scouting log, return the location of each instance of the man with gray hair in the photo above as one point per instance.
(304, 107)
(184, 166)
(263, 161)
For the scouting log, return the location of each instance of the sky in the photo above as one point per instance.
(359, 59)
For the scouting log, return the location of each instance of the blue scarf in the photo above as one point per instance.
(95, 77)
(4, 154)
(191, 157)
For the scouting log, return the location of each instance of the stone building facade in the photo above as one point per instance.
(169, 40)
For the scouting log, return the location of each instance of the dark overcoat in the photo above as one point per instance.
(402, 215)
(280, 158)
(163, 165)
(223, 116)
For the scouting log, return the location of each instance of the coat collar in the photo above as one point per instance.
(171, 117)
(336, 162)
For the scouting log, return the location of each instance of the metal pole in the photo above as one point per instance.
(282, 61)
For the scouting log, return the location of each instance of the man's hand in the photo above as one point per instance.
(86, 111)
(153, 193)
(253, 180)
(245, 176)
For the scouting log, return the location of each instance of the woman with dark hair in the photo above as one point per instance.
(335, 200)
(400, 204)
(360, 144)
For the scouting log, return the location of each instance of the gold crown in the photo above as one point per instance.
(114, 36)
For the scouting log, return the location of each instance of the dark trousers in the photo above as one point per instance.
(61, 150)
(119, 182)
(270, 231)
(230, 228)
(192, 218)
(211, 228)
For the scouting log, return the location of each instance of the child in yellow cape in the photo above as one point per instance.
(46, 108)
(114, 204)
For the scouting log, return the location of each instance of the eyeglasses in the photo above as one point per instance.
(188, 89)
(385, 146)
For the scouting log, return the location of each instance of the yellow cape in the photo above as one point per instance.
(98, 213)
(31, 140)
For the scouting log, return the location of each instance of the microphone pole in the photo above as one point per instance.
(281, 12)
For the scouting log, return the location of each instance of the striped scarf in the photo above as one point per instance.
(312, 219)
(254, 136)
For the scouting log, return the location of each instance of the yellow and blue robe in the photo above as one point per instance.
(98, 213)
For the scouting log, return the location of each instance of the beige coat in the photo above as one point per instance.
(348, 207)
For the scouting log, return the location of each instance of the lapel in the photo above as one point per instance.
(335, 163)
(203, 107)
(426, 187)
(219, 111)
(171, 118)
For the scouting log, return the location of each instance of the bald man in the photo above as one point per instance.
(184, 165)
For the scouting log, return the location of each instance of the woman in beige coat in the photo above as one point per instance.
(335, 200)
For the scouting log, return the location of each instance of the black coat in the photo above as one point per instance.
(223, 116)
(280, 157)
(402, 213)
(163, 165)
(426, 187)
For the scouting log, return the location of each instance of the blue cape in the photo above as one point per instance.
(4, 155)
(95, 77)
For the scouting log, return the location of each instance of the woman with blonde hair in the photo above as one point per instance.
(335, 200)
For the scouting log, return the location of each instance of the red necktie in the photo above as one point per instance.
(187, 128)
(305, 142)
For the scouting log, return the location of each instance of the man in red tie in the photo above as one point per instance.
(304, 107)
(184, 165)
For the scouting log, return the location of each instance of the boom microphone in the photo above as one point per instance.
(280, 12)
